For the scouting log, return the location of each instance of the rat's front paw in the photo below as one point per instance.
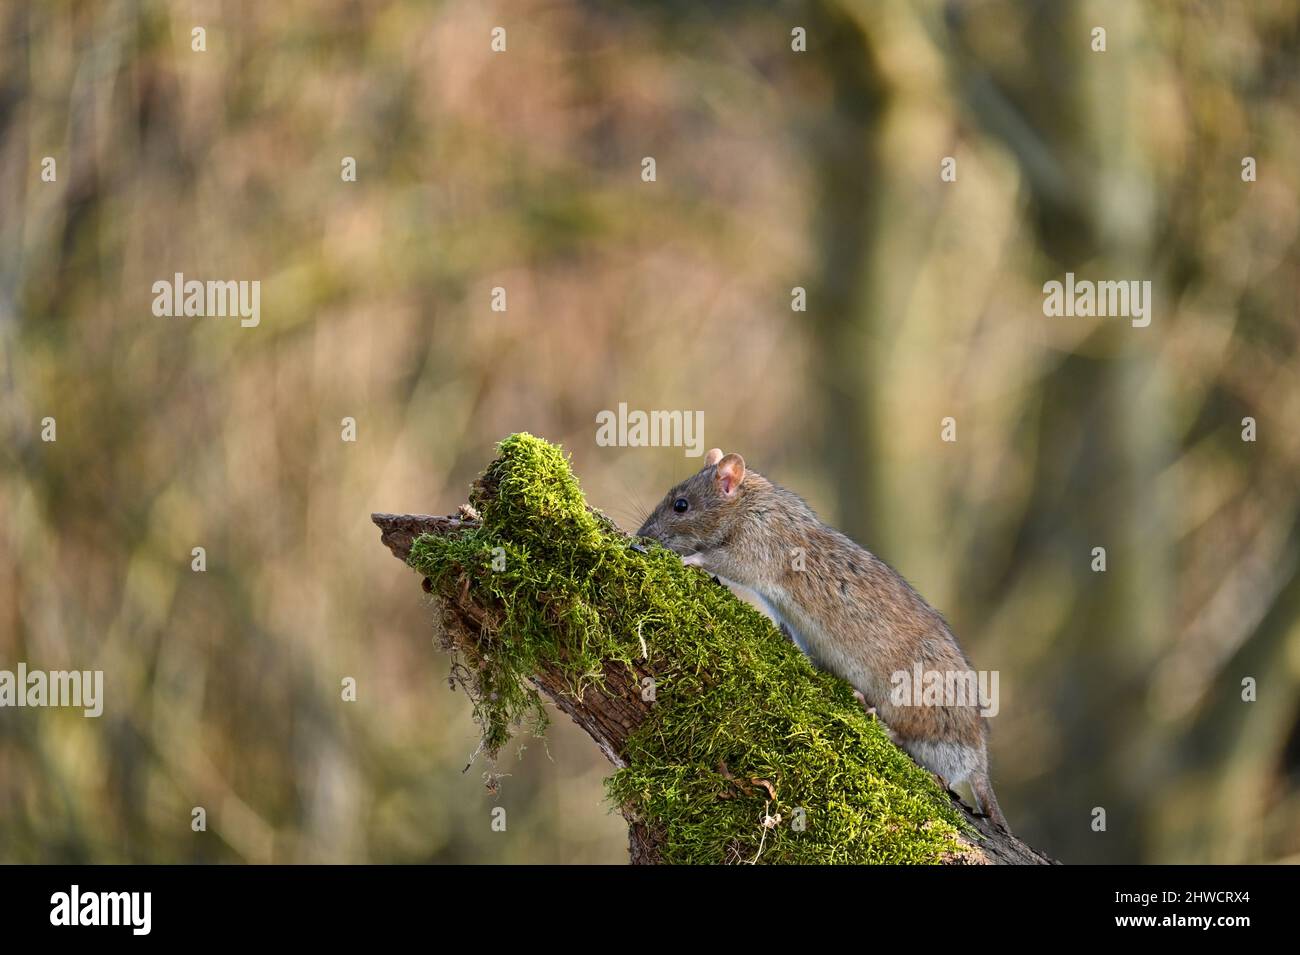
(693, 560)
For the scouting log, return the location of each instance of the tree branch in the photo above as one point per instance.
(612, 708)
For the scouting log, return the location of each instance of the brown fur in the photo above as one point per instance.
(847, 609)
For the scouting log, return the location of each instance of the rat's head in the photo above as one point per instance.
(701, 513)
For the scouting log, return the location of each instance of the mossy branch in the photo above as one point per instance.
(728, 745)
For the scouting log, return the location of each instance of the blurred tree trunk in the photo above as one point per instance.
(848, 301)
(1071, 119)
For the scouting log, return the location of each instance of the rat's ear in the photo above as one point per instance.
(731, 473)
(713, 457)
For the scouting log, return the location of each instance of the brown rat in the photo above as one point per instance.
(849, 611)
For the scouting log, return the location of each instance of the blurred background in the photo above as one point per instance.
(775, 169)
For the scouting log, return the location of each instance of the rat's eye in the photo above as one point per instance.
(680, 505)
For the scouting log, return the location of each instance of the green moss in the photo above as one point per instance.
(737, 708)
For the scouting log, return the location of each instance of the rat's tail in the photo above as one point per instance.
(985, 801)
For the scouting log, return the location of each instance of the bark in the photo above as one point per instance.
(611, 712)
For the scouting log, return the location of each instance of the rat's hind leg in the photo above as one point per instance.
(874, 714)
(954, 764)
(870, 710)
